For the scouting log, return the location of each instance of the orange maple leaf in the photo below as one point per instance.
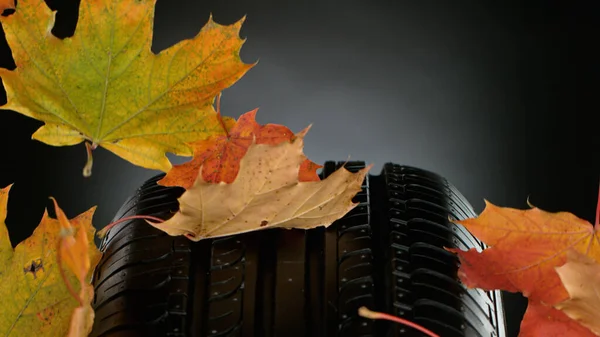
(525, 248)
(544, 321)
(6, 4)
(79, 256)
(219, 156)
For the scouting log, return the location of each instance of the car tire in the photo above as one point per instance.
(386, 254)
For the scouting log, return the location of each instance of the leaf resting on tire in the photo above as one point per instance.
(265, 194)
(218, 158)
(35, 298)
(106, 86)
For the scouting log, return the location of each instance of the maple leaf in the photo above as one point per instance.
(265, 194)
(105, 86)
(35, 289)
(6, 4)
(544, 321)
(308, 171)
(218, 158)
(525, 247)
(581, 277)
(79, 256)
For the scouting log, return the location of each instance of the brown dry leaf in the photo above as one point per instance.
(265, 194)
(581, 277)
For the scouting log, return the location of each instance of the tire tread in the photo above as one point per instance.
(386, 254)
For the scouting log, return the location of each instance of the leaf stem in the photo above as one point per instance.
(219, 116)
(87, 169)
(364, 312)
(62, 273)
(101, 233)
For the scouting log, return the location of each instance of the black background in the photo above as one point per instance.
(501, 98)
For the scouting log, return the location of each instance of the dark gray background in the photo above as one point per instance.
(499, 97)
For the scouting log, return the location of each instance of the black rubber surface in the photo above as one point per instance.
(385, 254)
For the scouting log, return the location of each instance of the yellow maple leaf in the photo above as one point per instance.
(105, 86)
(36, 301)
(265, 194)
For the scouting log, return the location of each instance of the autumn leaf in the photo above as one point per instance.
(36, 299)
(105, 86)
(525, 247)
(308, 171)
(544, 321)
(581, 277)
(6, 4)
(82, 320)
(220, 155)
(75, 250)
(265, 194)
